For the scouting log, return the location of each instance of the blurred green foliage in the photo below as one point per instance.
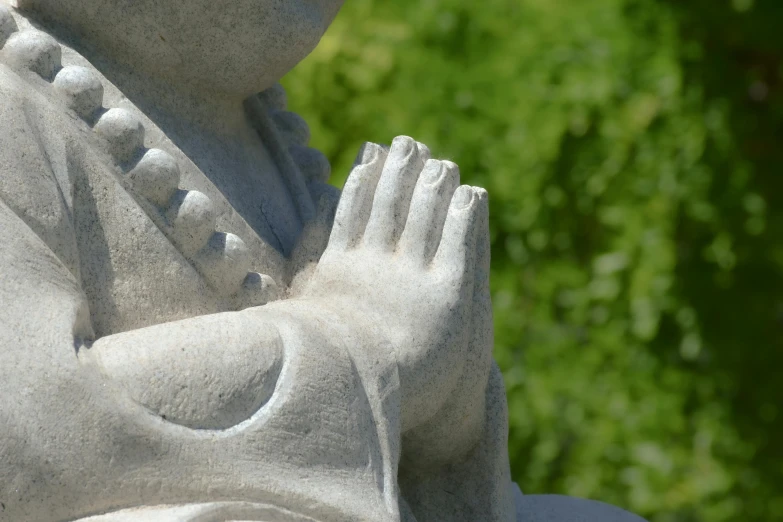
(633, 151)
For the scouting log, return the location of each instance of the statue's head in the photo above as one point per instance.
(237, 46)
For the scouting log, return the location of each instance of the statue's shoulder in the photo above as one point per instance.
(32, 167)
(27, 128)
(29, 60)
(33, 136)
(13, 91)
(36, 88)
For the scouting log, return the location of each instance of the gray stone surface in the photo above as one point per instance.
(195, 327)
(554, 508)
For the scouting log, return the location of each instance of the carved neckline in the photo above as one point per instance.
(186, 217)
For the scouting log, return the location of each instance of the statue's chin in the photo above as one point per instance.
(207, 512)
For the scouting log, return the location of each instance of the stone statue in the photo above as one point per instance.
(194, 325)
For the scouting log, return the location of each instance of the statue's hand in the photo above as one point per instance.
(403, 254)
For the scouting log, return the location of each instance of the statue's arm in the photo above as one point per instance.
(208, 371)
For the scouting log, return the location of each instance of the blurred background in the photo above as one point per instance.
(633, 152)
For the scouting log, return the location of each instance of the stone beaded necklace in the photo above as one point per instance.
(186, 217)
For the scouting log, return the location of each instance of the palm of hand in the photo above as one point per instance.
(403, 254)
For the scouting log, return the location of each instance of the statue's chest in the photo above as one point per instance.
(157, 238)
(143, 264)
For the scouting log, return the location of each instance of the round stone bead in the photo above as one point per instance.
(224, 262)
(123, 132)
(82, 89)
(7, 24)
(35, 51)
(156, 176)
(258, 289)
(192, 217)
(275, 97)
(311, 162)
(292, 127)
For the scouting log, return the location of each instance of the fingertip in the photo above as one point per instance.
(369, 153)
(481, 193)
(451, 165)
(463, 198)
(424, 152)
(403, 146)
(482, 200)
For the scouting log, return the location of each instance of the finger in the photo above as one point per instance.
(429, 206)
(480, 354)
(456, 255)
(424, 152)
(483, 255)
(355, 204)
(393, 195)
